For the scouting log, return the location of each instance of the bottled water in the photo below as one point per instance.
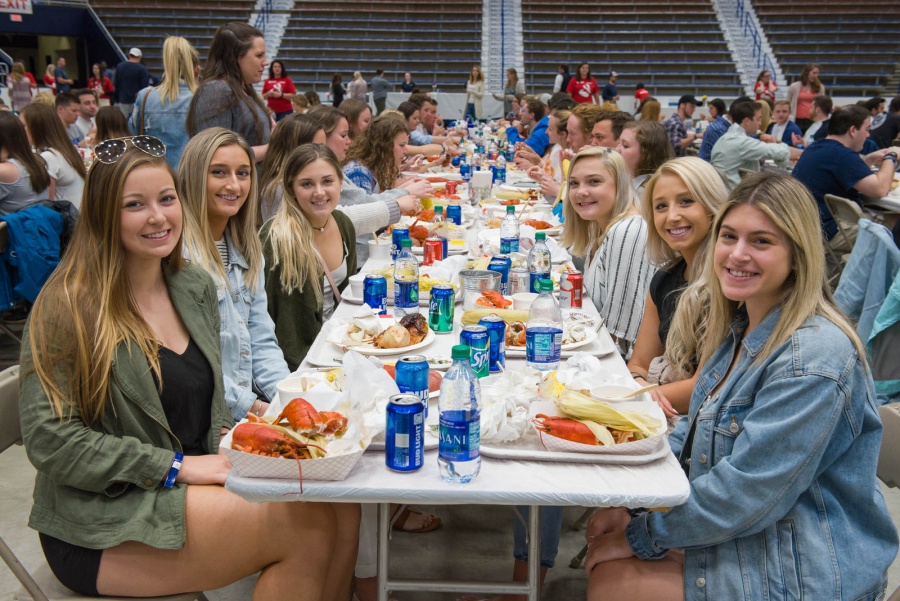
(509, 232)
(538, 261)
(406, 281)
(459, 458)
(501, 169)
(544, 330)
(441, 230)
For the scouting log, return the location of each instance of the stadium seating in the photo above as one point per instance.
(674, 47)
(147, 24)
(437, 42)
(854, 45)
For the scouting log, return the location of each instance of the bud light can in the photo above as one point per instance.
(375, 293)
(454, 214)
(496, 329)
(440, 308)
(404, 446)
(397, 234)
(477, 339)
(502, 264)
(570, 285)
(411, 375)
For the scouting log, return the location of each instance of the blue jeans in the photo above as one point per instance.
(470, 111)
(551, 526)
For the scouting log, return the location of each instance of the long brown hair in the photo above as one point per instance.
(230, 42)
(86, 308)
(375, 150)
(14, 140)
(47, 131)
(111, 124)
(291, 132)
(804, 78)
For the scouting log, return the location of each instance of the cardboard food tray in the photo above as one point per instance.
(258, 466)
(530, 448)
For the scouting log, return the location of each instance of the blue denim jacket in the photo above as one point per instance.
(165, 121)
(251, 357)
(785, 503)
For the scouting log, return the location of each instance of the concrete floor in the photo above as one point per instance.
(473, 543)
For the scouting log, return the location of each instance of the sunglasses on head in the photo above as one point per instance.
(110, 151)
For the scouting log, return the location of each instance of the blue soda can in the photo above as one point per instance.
(496, 329)
(411, 375)
(465, 171)
(454, 214)
(375, 293)
(397, 234)
(501, 264)
(440, 308)
(404, 445)
(477, 339)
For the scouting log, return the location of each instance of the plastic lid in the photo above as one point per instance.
(405, 243)
(460, 351)
(438, 209)
(545, 285)
(510, 209)
(540, 236)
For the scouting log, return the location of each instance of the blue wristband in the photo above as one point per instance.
(173, 471)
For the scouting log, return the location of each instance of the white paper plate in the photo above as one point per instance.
(451, 249)
(519, 351)
(371, 350)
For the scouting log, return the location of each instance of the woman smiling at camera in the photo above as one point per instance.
(309, 248)
(680, 201)
(603, 225)
(122, 406)
(217, 185)
(783, 435)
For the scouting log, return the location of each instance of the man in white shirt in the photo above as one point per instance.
(820, 113)
(87, 112)
(736, 149)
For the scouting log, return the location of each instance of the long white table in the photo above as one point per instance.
(661, 483)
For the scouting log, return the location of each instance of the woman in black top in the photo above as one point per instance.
(337, 90)
(679, 201)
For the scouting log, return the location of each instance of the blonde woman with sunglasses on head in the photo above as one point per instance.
(122, 407)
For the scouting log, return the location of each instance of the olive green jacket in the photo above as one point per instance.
(100, 485)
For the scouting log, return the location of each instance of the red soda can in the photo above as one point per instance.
(451, 187)
(570, 285)
(433, 250)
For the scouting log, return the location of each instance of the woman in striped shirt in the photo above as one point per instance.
(603, 225)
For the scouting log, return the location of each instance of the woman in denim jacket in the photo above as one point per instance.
(783, 435)
(217, 184)
(162, 111)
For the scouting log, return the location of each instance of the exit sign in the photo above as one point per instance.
(20, 7)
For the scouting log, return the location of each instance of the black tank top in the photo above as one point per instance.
(187, 396)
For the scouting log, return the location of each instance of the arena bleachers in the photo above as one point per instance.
(855, 45)
(438, 43)
(147, 25)
(673, 47)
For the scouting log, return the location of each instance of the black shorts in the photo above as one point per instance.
(76, 567)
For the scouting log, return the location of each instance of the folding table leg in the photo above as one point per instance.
(384, 532)
(534, 553)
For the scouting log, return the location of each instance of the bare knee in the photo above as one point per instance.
(635, 579)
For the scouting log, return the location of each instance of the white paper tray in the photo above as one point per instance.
(529, 448)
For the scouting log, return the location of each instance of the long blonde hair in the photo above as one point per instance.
(193, 169)
(86, 308)
(584, 237)
(18, 71)
(705, 186)
(806, 292)
(179, 62)
(291, 234)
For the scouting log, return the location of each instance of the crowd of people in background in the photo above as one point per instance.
(219, 225)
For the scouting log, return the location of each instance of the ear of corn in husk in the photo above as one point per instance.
(582, 407)
(472, 316)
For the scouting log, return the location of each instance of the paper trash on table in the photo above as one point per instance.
(363, 327)
(490, 242)
(581, 372)
(505, 399)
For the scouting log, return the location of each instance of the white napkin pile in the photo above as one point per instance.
(505, 400)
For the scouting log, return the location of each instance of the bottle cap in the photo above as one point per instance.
(460, 351)
(510, 209)
(438, 209)
(545, 285)
(540, 236)
(405, 243)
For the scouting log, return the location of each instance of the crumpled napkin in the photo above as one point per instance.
(583, 371)
(505, 401)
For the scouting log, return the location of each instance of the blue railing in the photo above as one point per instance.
(748, 28)
(262, 19)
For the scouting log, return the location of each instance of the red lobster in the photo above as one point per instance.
(261, 438)
(304, 418)
(565, 428)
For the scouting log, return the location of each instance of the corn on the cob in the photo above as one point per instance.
(582, 407)
(509, 315)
